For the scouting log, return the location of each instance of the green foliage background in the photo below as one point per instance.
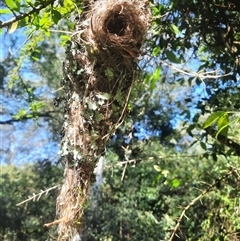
(181, 136)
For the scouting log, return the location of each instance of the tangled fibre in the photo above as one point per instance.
(100, 70)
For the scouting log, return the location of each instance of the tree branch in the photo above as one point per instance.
(11, 121)
(215, 183)
(23, 15)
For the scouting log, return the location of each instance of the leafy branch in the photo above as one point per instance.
(204, 192)
(21, 16)
(26, 117)
(36, 197)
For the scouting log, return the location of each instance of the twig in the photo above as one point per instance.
(201, 75)
(37, 196)
(126, 162)
(25, 41)
(59, 31)
(55, 222)
(11, 121)
(198, 198)
(124, 170)
(23, 15)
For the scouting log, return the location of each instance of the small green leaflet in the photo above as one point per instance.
(21, 114)
(175, 183)
(153, 78)
(222, 119)
(223, 125)
(175, 29)
(156, 51)
(36, 105)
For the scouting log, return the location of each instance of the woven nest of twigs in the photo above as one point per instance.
(100, 71)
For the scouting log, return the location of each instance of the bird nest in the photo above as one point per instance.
(100, 71)
(119, 25)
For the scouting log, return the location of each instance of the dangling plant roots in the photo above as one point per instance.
(99, 74)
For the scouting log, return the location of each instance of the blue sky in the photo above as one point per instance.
(24, 141)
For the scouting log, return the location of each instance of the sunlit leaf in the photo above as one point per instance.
(175, 183)
(212, 118)
(13, 27)
(175, 29)
(11, 5)
(44, 20)
(157, 168)
(165, 173)
(5, 11)
(35, 106)
(156, 51)
(153, 78)
(21, 114)
(223, 125)
(18, 4)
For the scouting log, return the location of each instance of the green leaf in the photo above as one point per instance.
(175, 183)
(153, 78)
(35, 106)
(109, 73)
(18, 4)
(172, 57)
(223, 125)
(156, 51)
(21, 114)
(98, 116)
(212, 118)
(36, 20)
(175, 29)
(44, 20)
(68, 6)
(13, 27)
(56, 16)
(203, 145)
(119, 97)
(92, 105)
(103, 96)
(12, 5)
(5, 11)
(157, 10)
